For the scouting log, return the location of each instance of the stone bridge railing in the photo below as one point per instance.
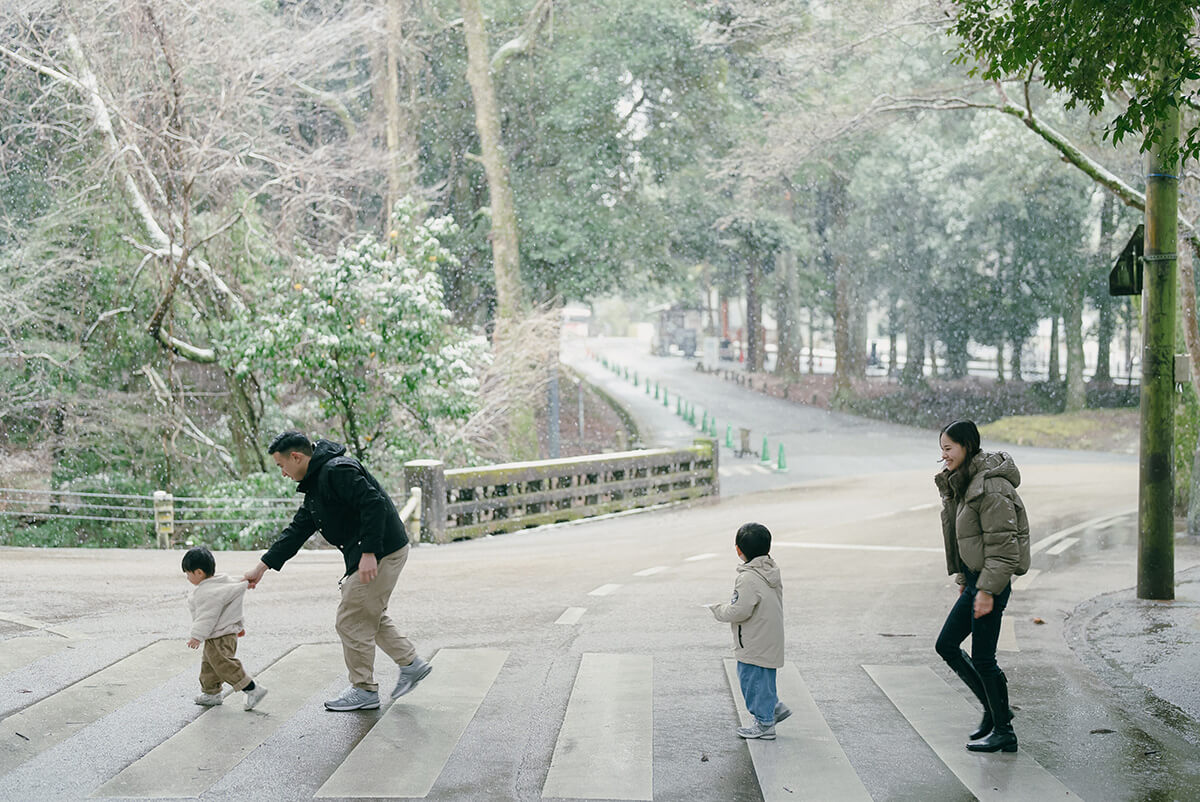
(469, 502)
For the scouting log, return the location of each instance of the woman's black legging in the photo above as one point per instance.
(984, 631)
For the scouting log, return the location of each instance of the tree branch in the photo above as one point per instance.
(539, 15)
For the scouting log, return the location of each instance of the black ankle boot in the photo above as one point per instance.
(1001, 738)
(965, 669)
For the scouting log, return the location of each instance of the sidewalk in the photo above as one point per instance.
(1148, 651)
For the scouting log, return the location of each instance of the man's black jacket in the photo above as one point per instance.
(344, 501)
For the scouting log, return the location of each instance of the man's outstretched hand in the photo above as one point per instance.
(255, 574)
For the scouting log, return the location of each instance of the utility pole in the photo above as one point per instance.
(1156, 494)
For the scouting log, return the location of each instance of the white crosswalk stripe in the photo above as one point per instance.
(941, 716)
(605, 748)
(58, 717)
(186, 764)
(805, 761)
(19, 652)
(423, 728)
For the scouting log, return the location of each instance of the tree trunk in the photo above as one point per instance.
(506, 260)
(1052, 372)
(933, 366)
(787, 318)
(1000, 362)
(1156, 493)
(1104, 303)
(1076, 397)
(401, 143)
(1015, 360)
(505, 245)
(812, 339)
(754, 350)
(914, 363)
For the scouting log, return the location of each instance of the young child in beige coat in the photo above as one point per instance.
(216, 606)
(755, 615)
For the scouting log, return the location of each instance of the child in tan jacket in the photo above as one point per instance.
(216, 606)
(755, 615)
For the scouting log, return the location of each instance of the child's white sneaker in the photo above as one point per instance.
(758, 731)
(209, 699)
(255, 696)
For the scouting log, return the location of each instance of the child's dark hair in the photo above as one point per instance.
(966, 434)
(199, 557)
(754, 540)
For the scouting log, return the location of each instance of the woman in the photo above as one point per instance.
(986, 536)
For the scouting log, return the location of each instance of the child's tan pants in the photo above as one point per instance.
(219, 664)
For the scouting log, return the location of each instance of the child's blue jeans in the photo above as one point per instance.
(758, 688)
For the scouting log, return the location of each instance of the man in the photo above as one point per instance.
(344, 501)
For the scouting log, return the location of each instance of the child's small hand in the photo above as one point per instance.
(193, 644)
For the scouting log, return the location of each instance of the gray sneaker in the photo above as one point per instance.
(209, 699)
(758, 731)
(354, 699)
(782, 711)
(255, 696)
(410, 675)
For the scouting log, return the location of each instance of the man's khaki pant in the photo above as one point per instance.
(220, 665)
(362, 622)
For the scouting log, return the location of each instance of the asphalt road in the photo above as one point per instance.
(865, 585)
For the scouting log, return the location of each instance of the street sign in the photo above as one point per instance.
(1126, 275)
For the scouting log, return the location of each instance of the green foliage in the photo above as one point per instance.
(1091, 48)
(368, 333)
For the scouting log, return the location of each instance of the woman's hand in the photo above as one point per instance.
(983, 603)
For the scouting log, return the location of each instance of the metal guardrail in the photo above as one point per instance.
(471, 502)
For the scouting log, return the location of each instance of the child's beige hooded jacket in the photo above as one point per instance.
(216, 605)
(755, 613)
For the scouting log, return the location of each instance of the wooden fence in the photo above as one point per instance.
(470, 502)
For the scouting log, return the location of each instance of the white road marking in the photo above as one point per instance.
(697, 557)
(61, 715)
(406, 750)
(762, 468)
(1007, 640)
(855, 547)
(571, 616)
(920, 507)
(942, 716)
(191, 760)
(605, 747)
(1062, 545)
(19, 652)
(805, 760)
(658, 569)
(1050, 540)
(17, 618)
(604, 590)
(1024, 581)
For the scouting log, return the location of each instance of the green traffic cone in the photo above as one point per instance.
(704, 422)
(766, 454)
(655, 390)
(729, 435)
(781, 465)
(664, 396)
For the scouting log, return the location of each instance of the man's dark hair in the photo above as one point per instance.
(754, 540)
(291, 440)
(966, 434)
(199, 557)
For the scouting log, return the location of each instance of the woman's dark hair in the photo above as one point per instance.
(199, 557)
(754, 540)
(291, 440)
(966, 434)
